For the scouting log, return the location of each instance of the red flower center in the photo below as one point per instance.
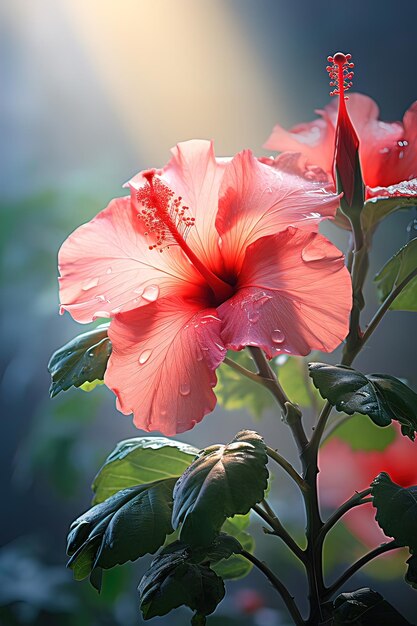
(167, 221)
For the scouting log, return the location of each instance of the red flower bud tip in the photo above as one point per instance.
(346, 139)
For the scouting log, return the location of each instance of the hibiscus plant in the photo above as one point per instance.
(212, 271)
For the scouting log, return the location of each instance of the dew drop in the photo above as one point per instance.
(98, 314)
(101, 298)
(185, 389)
(144, 356)
(151, 293)
(277, 336)
(311, 253)
(89, 284)
(253, 316)
(315, 251)
(109, 270)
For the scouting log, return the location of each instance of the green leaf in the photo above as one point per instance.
(173, 580)
(223, 481)
(129, 524)
(401, 265)
(91, 386)
(380, 396)
(293, 377)
(141, 460)
(365, 607)
(236, 566)
(377, 209)
(396, 510)
(362, 434)
(234, 391)
(411, 574)
(83, 359)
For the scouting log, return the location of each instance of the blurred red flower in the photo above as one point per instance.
(344, 471)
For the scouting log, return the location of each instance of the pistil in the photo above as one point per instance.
(168, 221)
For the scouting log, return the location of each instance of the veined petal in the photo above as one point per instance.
(294, 295)
(258, 200)
(106, 267)
(195, 174)
(163, 361)
(315, 140)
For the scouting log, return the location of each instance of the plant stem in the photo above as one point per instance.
(242, 370)
(291, 413)
(385, 306)
(350, 355)
(357, 499)
(385, 547)
(275, 456)
(269, 516)
(278, 585)
(267, 374)
(334, 426)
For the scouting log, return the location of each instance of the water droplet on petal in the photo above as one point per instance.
(277, 336)
(98, 314)
(253, 316)
(316, 251)
(151, 293)
(101, 298)
(109, 270)
(185, 389)
(144, 356)
(89, 284)
(312, 253)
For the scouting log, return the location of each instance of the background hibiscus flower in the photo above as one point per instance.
(344, 471)
(388, 150)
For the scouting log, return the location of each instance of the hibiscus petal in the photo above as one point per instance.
(294, 295)
(163, 361)
(106, 266)
(407, 188)
(315, 140)
(195, 174)
(258, 200)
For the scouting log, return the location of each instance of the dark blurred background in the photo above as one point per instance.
(92, 92)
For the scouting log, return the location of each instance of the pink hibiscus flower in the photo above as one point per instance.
(387, 150)
(344, 471)
(204, 256)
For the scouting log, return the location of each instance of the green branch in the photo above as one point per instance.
(357, 499)
(278, 585)
(286, 466)
(364, 560)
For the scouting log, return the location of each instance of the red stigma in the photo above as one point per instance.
(340, 73)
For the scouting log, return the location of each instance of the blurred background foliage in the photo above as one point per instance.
(91, 93)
